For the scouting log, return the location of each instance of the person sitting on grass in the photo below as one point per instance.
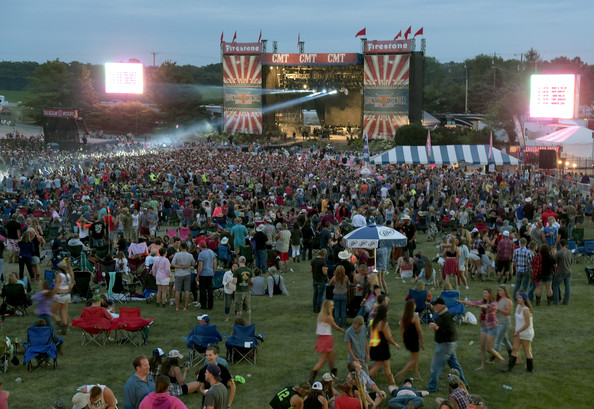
(171, 368)
(458, 396)
(276, 283)
(94, 396)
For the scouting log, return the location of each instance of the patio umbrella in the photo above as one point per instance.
(370, 237)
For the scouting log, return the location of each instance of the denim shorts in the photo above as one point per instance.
(490, 332)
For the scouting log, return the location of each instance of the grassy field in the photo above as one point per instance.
(14, 96)
(562, 351)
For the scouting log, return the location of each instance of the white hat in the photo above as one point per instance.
(475, 230)
(174, 353)
(80, 400)
(344, 255)
(506, 233)
(405, 217)
(225, 241)
(260, 227)
(528, 199)
(317, 386)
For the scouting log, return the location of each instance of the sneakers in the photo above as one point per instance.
(176, 308)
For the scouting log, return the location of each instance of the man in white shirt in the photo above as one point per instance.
(358, 220)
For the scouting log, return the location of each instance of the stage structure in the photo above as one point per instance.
(59, 126)
(375, 92)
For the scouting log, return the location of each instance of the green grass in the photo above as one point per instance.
(14, 96)
(562, 351)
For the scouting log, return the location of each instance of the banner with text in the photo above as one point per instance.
(60, 113)
(242, 94)
(242, 48)
(385, 94)
(311, 59)
(388, 47)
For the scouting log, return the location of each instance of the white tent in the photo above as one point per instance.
(575, 140)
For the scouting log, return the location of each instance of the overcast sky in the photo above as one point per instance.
(189, 31)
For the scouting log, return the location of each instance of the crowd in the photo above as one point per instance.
(278, 206)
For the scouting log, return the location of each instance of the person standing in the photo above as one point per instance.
(325, 342)
(243, 278)
(522, 259)
(505, 252)
(63, 287)
(217, 396)
(445, 350)
(182, 261)
(319, 272)
(504, 310)
(283, 244)
(412, 337)
(545, 275)
(357, 345)
(207, 265)
(161, 270)
(239, 232)
(523, 334)
(341, 283)
(229, 289)
(13, 236)
(140, 383)
(261, 240)
(564, 259)
(379, 344)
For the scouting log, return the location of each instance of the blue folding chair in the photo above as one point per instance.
(41, 346)
(217, 284)
(421, 304)
(224, 254)
(242, 345)
(586, 252)
(201, 337)
(457, 310)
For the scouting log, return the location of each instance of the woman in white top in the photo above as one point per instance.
(135, 226)
(325, 342)
(64, 284)
(523, 334)
(229, 289)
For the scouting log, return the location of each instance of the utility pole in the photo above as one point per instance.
(494, 55)
(154, 53)
(466, 93)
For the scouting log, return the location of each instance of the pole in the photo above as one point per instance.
(466, 95)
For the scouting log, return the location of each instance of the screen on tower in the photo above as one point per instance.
(553, 96)
(124, 78)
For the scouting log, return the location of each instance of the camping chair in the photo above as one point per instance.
(587, 251)
(75, 253)
(243, 344)
(199, 339)
(15, 299)
(577, 234)
(217, 285)
(457, 310)
(94, 326)
(82, 285)
(171, 233)
(212, 243)
(422, 306)
(41, 346)
(224, 254)
(6, 351)
(132, 327)
(102, 252)
(184, 232)
(149, 287)
(248, 253)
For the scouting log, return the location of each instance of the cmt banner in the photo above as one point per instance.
(242, 94)
(385, 94)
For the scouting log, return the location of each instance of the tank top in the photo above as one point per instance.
(64, 284)
(340, 288)
(528, 333)
(501, 317)
(100, 403)
(282, 400)
(323, 328)
(312, 403)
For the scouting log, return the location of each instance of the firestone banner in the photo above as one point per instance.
(242, 94)
(385, 94)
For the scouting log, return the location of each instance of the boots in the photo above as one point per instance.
(549, 300)
(537, 300)
(511, 363)
(312, 377)
(530, 364)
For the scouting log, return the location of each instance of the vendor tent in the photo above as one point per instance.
(575, 140)
(444, 155)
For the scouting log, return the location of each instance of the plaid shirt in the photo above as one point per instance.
(505, 249)
(536, 265)
(489, 314)
(461, 397)
(522, 258)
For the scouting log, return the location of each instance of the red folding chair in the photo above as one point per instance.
(132, 327)
(94, 325)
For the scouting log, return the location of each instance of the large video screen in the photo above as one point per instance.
(124, 78)
(553, 96)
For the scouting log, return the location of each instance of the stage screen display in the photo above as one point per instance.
(124, 78)
(553, 96)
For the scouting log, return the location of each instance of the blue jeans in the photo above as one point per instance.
(228, 302)
(502, 337)
(557, 280)
(400, 402)
(340, 301)
(531, 291)
(522, 282)
(262, 260)
(319, 294)
(445, 352)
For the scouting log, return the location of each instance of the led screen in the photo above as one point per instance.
(124, 78)
(552, 96)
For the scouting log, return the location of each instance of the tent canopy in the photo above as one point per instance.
(575, 140)
(444, 155)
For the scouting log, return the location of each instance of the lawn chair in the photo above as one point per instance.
(248, 253)
(94, 326)
(184, 232)
(217, 285)
(41, 346)
(132, 327)
(577, 234)
(457, 310)
(15, 299)
(172, 233)
(422, 306)
(586, 252)
(75, 253)
(224, 255)
(243, 344)
(82, 285)
(199, 339)
(6, 351)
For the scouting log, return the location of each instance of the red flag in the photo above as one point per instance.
(491, 146)
(407, 32)
(398, 35)
(298, 39)
(428, 145)
(361, 33)
(234, 37)
(260, 37)
(419, 33)
(222, 32)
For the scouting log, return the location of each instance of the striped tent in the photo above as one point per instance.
(444, 155)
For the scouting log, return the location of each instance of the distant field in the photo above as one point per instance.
(14, 96)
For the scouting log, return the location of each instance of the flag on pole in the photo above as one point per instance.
(361, 32)
(398, 35)
(407, 32)
(366, 149)
(260, 37)
(234, 37)
(428, 145)
(222, 32)
(298, 39)
(419, 33)
(491, 146)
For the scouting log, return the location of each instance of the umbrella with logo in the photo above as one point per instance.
(373, 236)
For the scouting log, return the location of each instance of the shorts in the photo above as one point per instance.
(183, 283)
(176, 390)
(490, 332)
(243, 301)
(163, 281)
(504, 265)
(325, 343)
(63, 298)
(12, 244)
(547, 279)
(284, 256)
(35, 260)
(474, 256)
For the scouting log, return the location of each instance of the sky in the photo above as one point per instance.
(189, 31)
